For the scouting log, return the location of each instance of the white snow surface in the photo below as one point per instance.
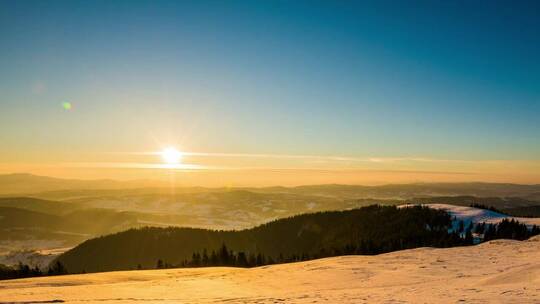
(477, 215)
(501, 271)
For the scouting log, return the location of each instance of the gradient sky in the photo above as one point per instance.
(374, 92)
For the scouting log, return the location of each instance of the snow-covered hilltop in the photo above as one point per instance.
(478, 215)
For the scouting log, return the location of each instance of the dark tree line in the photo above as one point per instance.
(225, 257)
(490, 208)
(25, 271)
(524, 211)
(506, 229)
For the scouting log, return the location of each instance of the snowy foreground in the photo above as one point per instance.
(501, 271)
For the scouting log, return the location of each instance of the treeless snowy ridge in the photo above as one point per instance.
(501, 271)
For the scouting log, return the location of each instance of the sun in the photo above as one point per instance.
(171, 156)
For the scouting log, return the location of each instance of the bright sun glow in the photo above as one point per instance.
(171, 156)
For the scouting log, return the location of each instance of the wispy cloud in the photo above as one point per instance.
(132, 165)
(336, 158)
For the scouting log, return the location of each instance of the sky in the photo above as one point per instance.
(272, 92)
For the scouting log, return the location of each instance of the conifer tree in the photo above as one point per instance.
(205, 260)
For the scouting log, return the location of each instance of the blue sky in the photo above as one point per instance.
(453, 80)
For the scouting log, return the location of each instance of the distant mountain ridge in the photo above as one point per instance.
(24, 183)
(55, 188)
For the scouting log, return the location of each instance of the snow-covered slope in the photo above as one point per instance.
(477, 215)
(501, 271)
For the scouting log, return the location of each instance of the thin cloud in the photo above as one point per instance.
(193, 167)
(126, 165)
(311, 157)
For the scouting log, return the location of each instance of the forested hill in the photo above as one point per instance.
(368, 230)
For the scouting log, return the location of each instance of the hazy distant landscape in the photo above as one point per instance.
(60, 217)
